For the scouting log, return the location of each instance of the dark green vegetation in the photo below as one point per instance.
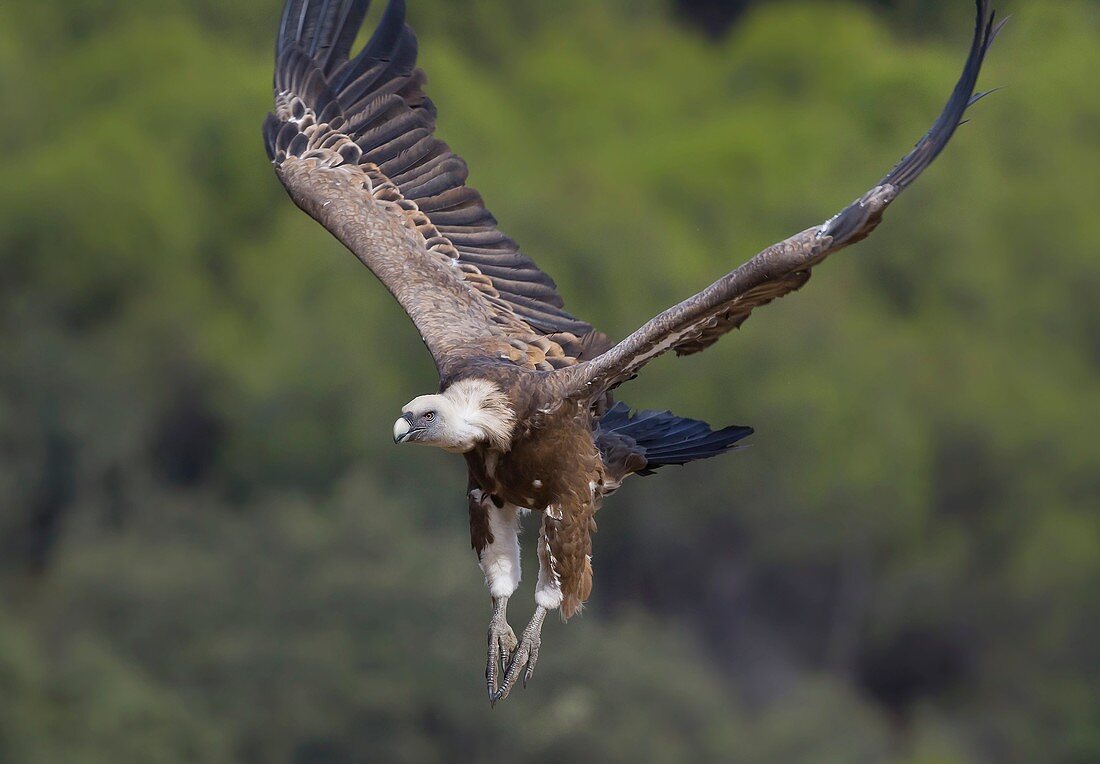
(212, 552)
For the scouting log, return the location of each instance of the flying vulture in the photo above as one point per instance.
(524, 386)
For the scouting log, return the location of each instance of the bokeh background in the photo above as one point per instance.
(210, 550)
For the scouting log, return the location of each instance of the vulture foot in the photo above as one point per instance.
(502, 641)
(525, 656)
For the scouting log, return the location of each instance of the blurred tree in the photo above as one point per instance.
(716, 17)
(210, 552)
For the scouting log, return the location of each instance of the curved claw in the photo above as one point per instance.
(524, 658)
(531, 661)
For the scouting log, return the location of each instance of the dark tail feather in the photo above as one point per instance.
(664, 438)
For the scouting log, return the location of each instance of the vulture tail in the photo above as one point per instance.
(662, 438)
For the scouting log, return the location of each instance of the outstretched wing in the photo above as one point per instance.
(352, 140)
(698, 322)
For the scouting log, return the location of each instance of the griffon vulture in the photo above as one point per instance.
(524, 390)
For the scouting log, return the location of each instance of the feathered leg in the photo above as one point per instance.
(498, 556)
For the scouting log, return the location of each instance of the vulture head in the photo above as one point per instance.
(467, 414)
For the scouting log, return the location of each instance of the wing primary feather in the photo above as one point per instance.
(370, 109)
(350, 19)
(962, 98)
(380, 46)
(303, 16)
(389, 31)
(280, 38)
(700, 320)
(319, 29)
(852, 219)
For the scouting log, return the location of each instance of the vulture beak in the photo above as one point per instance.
(401, 428)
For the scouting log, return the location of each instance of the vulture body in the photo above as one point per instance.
(525, 387)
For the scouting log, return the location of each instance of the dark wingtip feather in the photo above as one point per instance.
(319, 35)
(393, 43)
(324, 29)
(272, 125)
(986, 29)
(389, 31)
(377, 101)
(345, 29)
(290, 9)
(853, 219)
(979, 96)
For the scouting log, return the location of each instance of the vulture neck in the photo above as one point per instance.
(483, 406)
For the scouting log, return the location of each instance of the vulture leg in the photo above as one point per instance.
(548, 597)
(498, 556)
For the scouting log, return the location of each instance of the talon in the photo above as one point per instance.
(519, 658)
(530, 672)
(491, 679)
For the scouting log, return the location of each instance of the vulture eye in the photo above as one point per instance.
(429, 417)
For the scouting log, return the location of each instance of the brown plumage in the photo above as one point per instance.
(569, 496)
(524, 385)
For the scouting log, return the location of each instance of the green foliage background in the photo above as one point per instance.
(211, 551)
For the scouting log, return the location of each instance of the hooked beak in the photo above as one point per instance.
(401, 428)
